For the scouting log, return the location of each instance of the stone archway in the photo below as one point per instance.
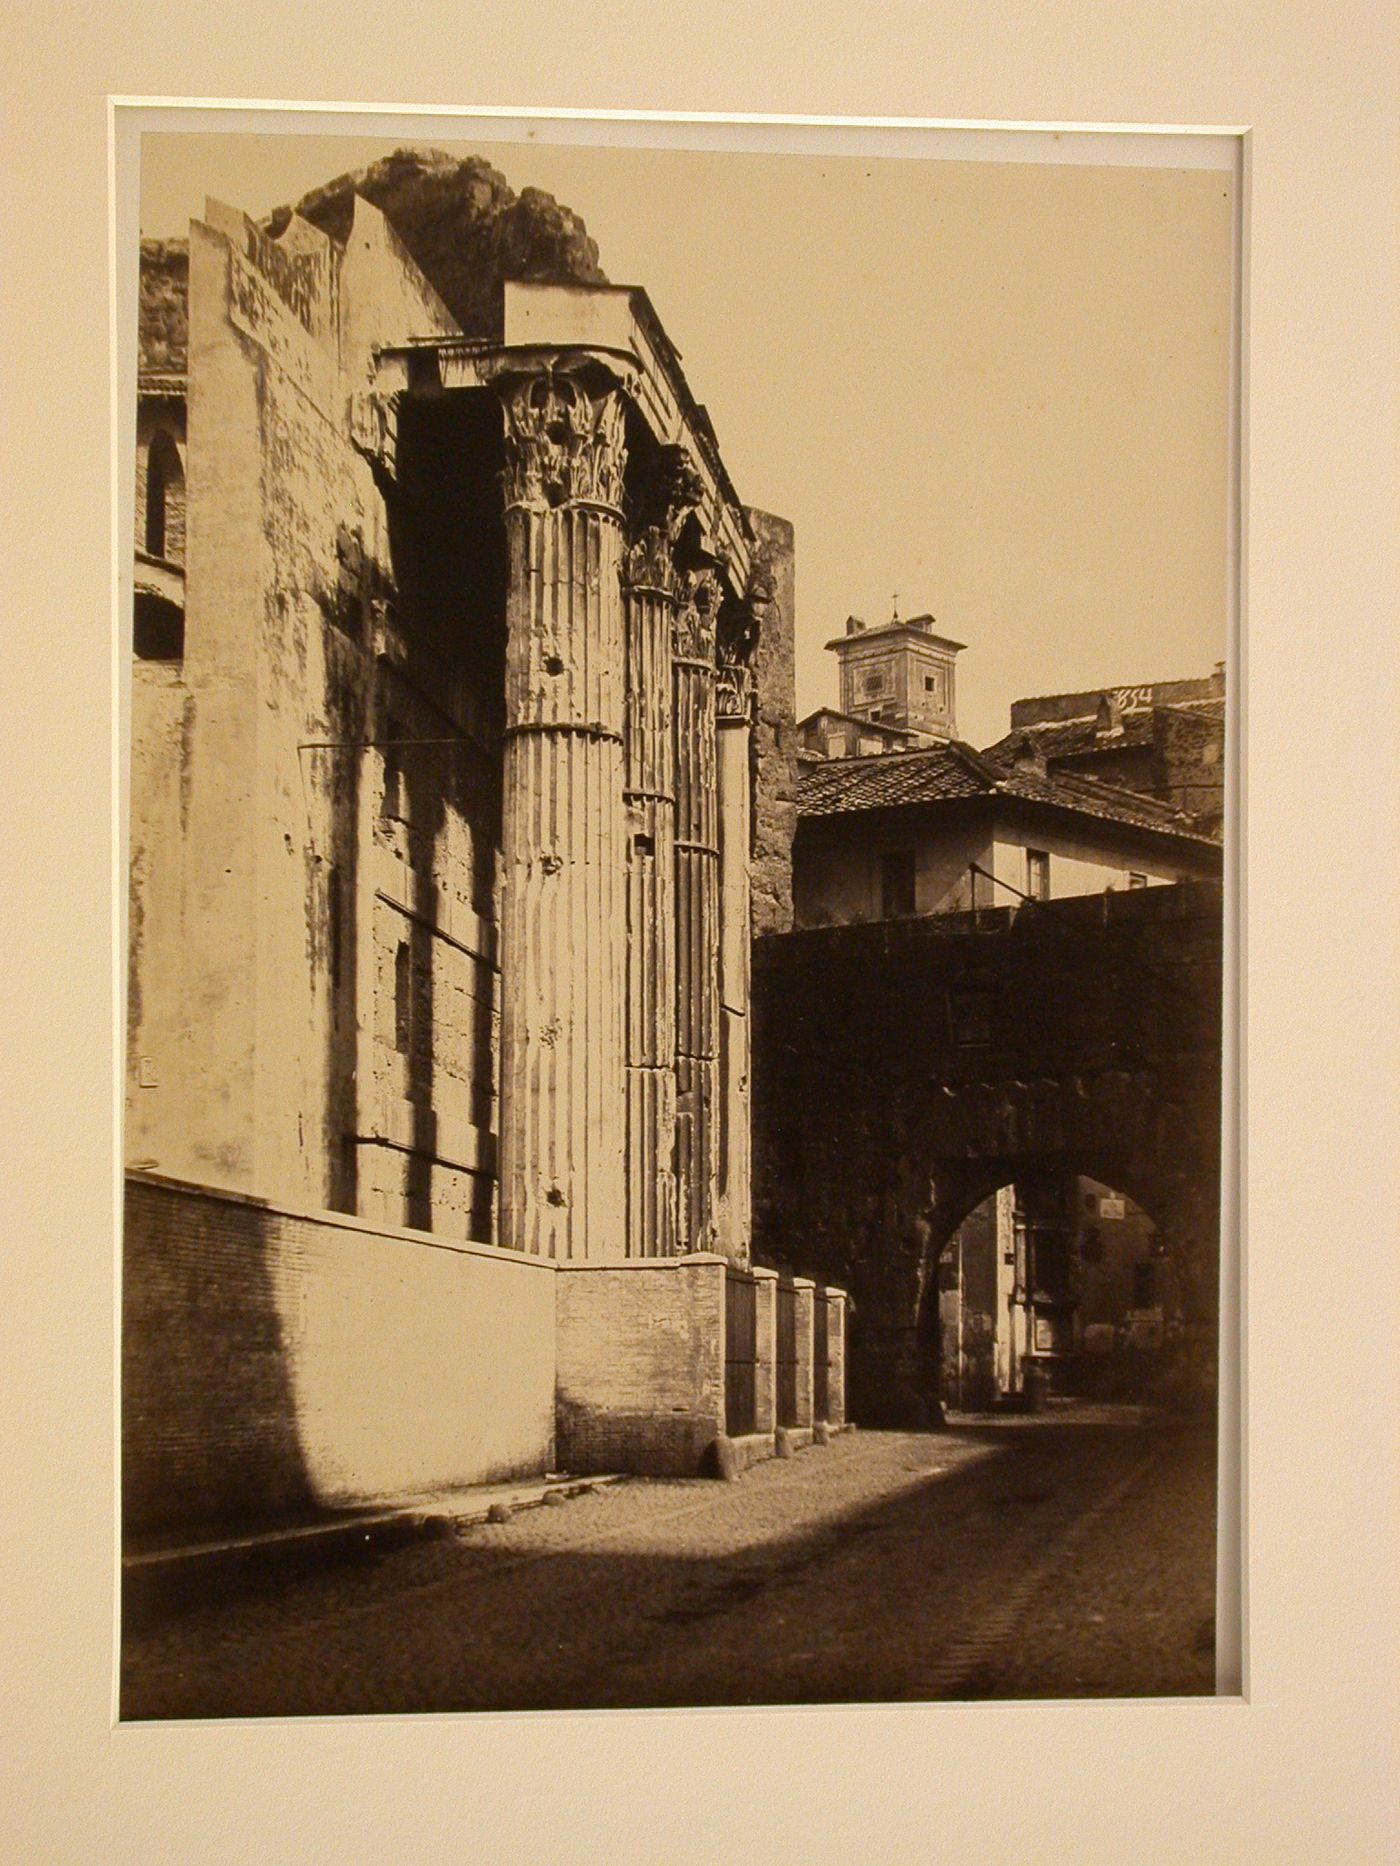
(903, 1071)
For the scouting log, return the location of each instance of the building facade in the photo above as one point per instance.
(1057, 1279)
(461, 731)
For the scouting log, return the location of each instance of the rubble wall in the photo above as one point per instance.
(775, 732)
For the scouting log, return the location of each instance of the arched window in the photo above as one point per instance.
(165, 500)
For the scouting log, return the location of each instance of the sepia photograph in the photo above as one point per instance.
(681, 714)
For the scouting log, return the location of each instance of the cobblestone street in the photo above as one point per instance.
(1069, 1554)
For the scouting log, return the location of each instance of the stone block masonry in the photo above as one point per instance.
(641, 1364)
(278, 1363)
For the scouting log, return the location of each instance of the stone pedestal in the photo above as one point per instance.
(765, 1396)
(564, 826)
(803, 1290)
(640, 1357)
(835, 1357)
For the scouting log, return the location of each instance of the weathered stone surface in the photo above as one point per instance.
(164, 320)
(775, 740)
(465, 226)
(563, 849)
(697, 910)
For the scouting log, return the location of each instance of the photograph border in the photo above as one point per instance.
(1306, 1762)
(905, 139)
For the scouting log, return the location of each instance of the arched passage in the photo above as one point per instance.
(1057, 1283)
(881, 1121)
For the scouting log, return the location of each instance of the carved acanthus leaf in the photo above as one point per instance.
(697, 618)
(734, 691)
(667, 496)
(564, 444)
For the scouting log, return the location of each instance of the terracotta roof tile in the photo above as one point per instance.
(954, 772)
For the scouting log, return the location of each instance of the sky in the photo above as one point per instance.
(997, 391)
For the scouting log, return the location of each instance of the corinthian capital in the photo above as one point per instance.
(734, 692)
(564, 443)
(668, 494)
(697, 619)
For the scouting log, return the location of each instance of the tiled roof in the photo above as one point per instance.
(954, 772)
(1067, 790)
(888, 779)
(1203, 709)
(854, 719)
(1073, 738)
(1067, 738)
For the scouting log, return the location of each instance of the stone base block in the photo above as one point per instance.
(752, 1448)
(640, 1359)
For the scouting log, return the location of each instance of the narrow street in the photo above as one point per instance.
(1068, 1554)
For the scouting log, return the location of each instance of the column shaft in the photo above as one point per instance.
(735, 783)
(563, 896)
(697, 917)
(649, 789)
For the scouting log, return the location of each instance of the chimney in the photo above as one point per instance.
(1028, 755)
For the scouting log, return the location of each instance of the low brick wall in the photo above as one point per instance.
(275, 1363)
(640, 1349)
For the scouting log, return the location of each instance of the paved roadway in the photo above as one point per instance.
(1065, 1555)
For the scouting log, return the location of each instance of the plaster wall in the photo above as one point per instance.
(837, 865)
(1079, 863)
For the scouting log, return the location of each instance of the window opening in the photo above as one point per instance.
(896, 883)
(403, 999)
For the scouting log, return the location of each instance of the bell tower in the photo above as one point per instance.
(900, 673)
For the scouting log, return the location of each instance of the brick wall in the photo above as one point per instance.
(275, 1362)
(640, 1364)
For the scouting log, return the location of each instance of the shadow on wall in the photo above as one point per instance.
(210, 1435)
(279, 1367)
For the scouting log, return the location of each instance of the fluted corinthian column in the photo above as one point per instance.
(563, 833)
(697, 911)
(734, 709)
(649, 791)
